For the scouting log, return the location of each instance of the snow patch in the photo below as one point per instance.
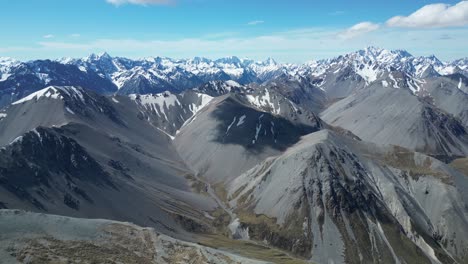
(377, 228)
(69, 110)
(159, 102)
(264, 101)
(18, 139)
(234, 72)
(233, 83)
(367, 73)
(73, 92)
(4, 77)
(37, 134)
(241, 120)
(427, 249)
(232, 123)
(204, 100)
(395, 82)
(257, 129)
(49, 92)
(167, 134)
(237, 231)
(44, 77)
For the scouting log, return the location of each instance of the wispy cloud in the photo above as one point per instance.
(434, 16)
(416, 30)
(445, 37)
(220, 35)
(289, 46)
(255, 22)
(358, 29)
(293, 45)
(337, 13)
(140, 2)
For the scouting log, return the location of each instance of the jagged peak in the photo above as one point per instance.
(7, 60)
(104, 55)
(430, 58)
(380, 54)
(66, 60)
(200, 60)
(374, 50)
(270, 61)
(99, 56)
(404, 53)
(461, 60)
(229, 59)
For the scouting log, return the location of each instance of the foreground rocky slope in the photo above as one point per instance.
(40, 238)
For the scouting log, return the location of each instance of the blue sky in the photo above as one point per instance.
(289, 31)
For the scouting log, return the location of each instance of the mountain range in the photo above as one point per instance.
(106, 74)
(357, 159)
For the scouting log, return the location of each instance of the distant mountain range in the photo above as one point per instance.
(106, 74)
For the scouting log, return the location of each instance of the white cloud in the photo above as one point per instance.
(140, 2)
(255, 22)
(358, 29)
(49, 36)
(434, 16)
(75, 35)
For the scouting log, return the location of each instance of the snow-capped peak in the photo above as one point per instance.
(233, 60)
(99, 56)
(55, 92)
(6, 63)
(155, 74)
(372, 63)
(7, 60)
(48, 92)
(269, 61)
(200, 60)
(66, 60)
(378, 55)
